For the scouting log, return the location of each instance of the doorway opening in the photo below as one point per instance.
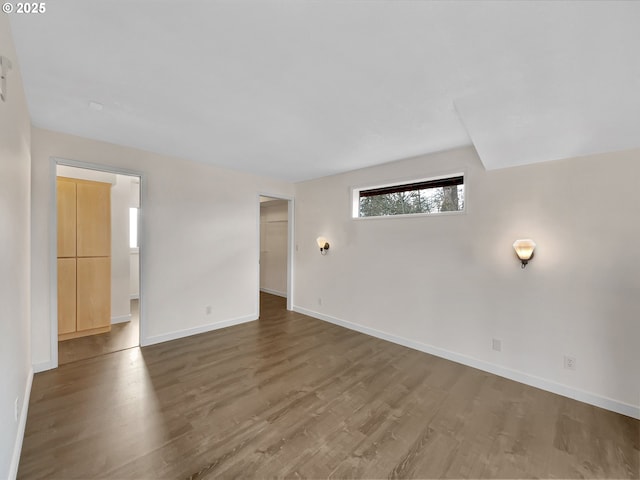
(96, 280)
(275, 247)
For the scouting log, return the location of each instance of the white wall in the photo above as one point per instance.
(134, 254)
(85, 174)
(273, 246)
(134, 275)
(15, 361)
(120, 193)
(449, 284)
(120, 256)
(199, 229)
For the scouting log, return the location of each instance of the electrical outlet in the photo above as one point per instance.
(208, 309)
(16, 409)
(569, 362)
(496, 344)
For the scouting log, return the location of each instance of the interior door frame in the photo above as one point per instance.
(290, 245)
(53, 244)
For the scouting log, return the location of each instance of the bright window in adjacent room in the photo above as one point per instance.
(133, 228)
(419, 197)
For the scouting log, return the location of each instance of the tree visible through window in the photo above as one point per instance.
(426, 196)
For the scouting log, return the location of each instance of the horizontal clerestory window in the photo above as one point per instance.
(426, 196)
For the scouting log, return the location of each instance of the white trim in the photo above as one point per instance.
(274, 292)
(291, 223)
(142, 260)
(121, 319)
(53, 264)
(17, 448)
(516, 375)
(187, 332)
(43, 366)
(414, 215)
(134, 296)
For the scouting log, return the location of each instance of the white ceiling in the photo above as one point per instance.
(303, 89)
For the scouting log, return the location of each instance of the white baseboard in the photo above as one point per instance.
(516, 375)
(121, 319)
(134, 296)
(166, 337)
(42, 366)
(274, 292)
(22, 423)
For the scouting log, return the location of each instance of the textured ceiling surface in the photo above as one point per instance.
(303, 89)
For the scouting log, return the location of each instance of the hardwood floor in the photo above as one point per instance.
(291, 396)
(122, 336)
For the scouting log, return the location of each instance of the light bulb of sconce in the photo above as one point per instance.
(524, 248)
(323, 243)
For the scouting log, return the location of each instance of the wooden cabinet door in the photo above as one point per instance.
(66, 295)
(66, 190)
(93, 219)
(94, 293)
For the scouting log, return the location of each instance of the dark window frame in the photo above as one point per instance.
(410, 187)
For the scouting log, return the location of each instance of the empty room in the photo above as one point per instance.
(319, 239)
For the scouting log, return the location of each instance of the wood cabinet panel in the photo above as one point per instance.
(94, 293)
(66, 295)
(84, 262)
(93, 219)
(66, 204)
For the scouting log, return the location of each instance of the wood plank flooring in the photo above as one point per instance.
(289, 396)
(122, 336)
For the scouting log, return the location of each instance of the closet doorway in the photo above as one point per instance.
(276, 247)
(97, 259)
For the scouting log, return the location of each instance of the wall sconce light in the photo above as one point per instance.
(323, 243)
(524, 249)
